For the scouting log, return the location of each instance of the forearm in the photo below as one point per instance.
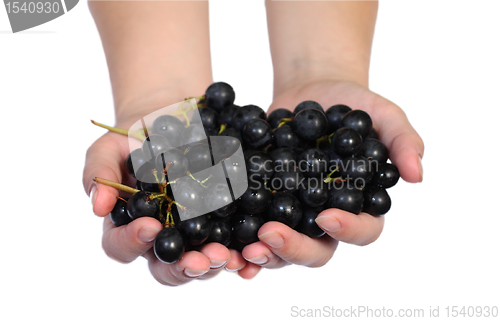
(312, 41)
(157, 52)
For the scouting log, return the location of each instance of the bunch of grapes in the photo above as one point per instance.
(221, 176)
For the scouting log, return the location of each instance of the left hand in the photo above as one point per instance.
(280, 245)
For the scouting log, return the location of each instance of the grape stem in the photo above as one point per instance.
(222, 128)
(118, 186)
(330, 137)
(322, 140)
(285, 121)
(196, 97)
(329, 178)
(183, 112)
(138, 134)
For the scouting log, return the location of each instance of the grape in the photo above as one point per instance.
(259, 166)
(374, 149)
(118, 214)
(140, 204)
(196, 230)
(227, 210)
(245, 227)
(149, 184)
(334, 115)
(284, 159)
(314, 194)
(306, 105)
(346, 141)
(245, 114)
(376, 201)
(257, 133)
(169, 245)
(219, 95)
(218, 195)
(347, 198)
(289, 181)
(209, 118)
(256, 199)
(174, 162)
(358, 120)
(285, 208)
(307, 224)
(235, 169)
(277, 115)
(386, 175)
(135, 160)
(192, 134)
(357, 170)
(310, 124)
(372, 134)
(226, 114)
(313, 162)
(155, 145)
(169, 127)
(233, 142)
(199, 157)
(220, 232)
(188, 193)
(285, 137)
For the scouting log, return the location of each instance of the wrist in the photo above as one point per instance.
(131, 108)
(299, 73)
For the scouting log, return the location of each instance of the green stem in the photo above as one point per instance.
(330, 137)
(139, 134)
(196, 97)
(118, 186)
(321, 140)
(285, 121)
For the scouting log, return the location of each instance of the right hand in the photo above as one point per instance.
(105, 159)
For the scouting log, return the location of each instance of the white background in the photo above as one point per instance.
(439, 60)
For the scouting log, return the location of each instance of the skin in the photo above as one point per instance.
(320, 51)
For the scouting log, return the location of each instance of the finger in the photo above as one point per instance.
(405, 146)
(127, 242)
(295, 247)
(218, 255)
(361, 229)
(259, 253)
(105, 160)
(191, 266)
(249, 271)
(236, 263)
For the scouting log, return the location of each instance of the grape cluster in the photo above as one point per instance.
(294, 165)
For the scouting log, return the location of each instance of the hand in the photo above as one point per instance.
(105, 159)
(280, 245)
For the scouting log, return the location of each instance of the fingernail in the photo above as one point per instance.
(261, 259)
(328, 223)
(214, 264)
(147, 234)
(231, 270)
(420, 168)
(273, 239)
(93, 194)
(193, 273)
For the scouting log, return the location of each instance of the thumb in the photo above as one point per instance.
(104, 159)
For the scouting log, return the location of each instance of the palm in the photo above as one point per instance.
(105, 159)
(388, 119)
(405, 148)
